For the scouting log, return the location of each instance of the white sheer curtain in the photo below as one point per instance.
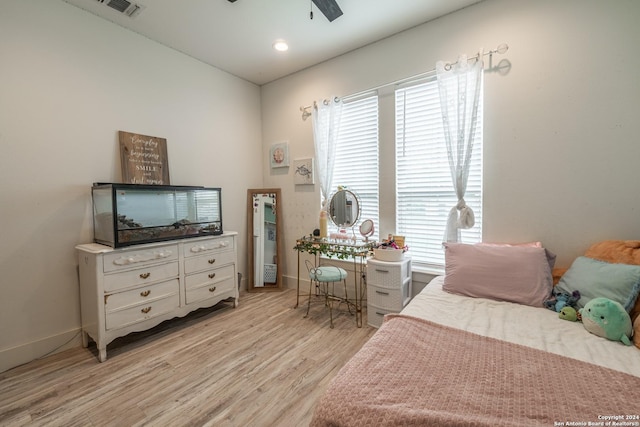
(326, 124)
(459, 85)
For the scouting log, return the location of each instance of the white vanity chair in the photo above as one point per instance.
(325, 278)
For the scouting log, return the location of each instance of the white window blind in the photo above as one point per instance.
(356, 161)
(424, 190)
(198, 206)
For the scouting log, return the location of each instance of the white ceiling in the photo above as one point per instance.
(238, 37)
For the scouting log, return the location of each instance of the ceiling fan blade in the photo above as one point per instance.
(329, 8)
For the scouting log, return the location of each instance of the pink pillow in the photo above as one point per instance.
(519, 274)
(551, 257)
(528, 244)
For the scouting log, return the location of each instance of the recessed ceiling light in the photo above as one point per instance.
(280, 45)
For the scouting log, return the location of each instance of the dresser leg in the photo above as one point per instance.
(102, 354)
(235, 303)
(85, 339)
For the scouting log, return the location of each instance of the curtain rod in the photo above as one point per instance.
(502, 48)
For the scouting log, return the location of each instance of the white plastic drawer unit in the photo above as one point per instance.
(388, 288)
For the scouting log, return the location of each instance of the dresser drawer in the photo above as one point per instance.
(212, 289)
(387, 298)
(212, 276)
(139, 313)
(201, 247)
(375, 315)
(388, 274)
(149, 274)
(212, 260)
(124, 260)
(142, 295)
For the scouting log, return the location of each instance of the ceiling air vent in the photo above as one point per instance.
(124, 6)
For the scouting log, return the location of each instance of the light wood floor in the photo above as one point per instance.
(261, 364)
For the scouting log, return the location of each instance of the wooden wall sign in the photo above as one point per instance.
(144, 159)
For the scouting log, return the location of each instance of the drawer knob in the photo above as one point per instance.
(212, 260)
(382, 293)
(381, 271)
(146, 310)
(212, 275)
(212, 289)
(145, 293)
(145, 275)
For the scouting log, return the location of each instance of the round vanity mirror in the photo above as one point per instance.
(367, 229)
(344, 208)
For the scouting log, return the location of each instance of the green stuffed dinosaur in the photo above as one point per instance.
(606, 318)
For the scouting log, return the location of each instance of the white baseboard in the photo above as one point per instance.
(19, 355)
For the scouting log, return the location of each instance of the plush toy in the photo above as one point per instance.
(559, 300)
(568, 313)
(622, 252)
(606, 318)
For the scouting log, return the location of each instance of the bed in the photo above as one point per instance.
(450, 359)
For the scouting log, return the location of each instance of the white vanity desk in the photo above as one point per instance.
(355, 252)
(136, 288)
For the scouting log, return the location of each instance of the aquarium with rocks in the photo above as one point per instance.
(132, 214)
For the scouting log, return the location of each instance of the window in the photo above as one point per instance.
(424, 191)
(424, 194)
(356, 161)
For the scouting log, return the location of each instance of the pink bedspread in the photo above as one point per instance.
(417, 373)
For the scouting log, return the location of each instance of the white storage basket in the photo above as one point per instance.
(270, 273)
(389, 255)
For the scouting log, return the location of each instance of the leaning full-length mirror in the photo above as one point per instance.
(264, 239)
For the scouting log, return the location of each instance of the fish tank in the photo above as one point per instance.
(133, 214)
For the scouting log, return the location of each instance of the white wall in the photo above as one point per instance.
(561, 148)
(69, 81)
(560, 130)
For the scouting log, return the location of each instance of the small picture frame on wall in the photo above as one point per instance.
(303, 172)
(279, 155)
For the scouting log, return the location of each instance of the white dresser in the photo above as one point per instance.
(388, 288)
(133, 289)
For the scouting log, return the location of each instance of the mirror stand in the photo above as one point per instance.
(264, 240)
